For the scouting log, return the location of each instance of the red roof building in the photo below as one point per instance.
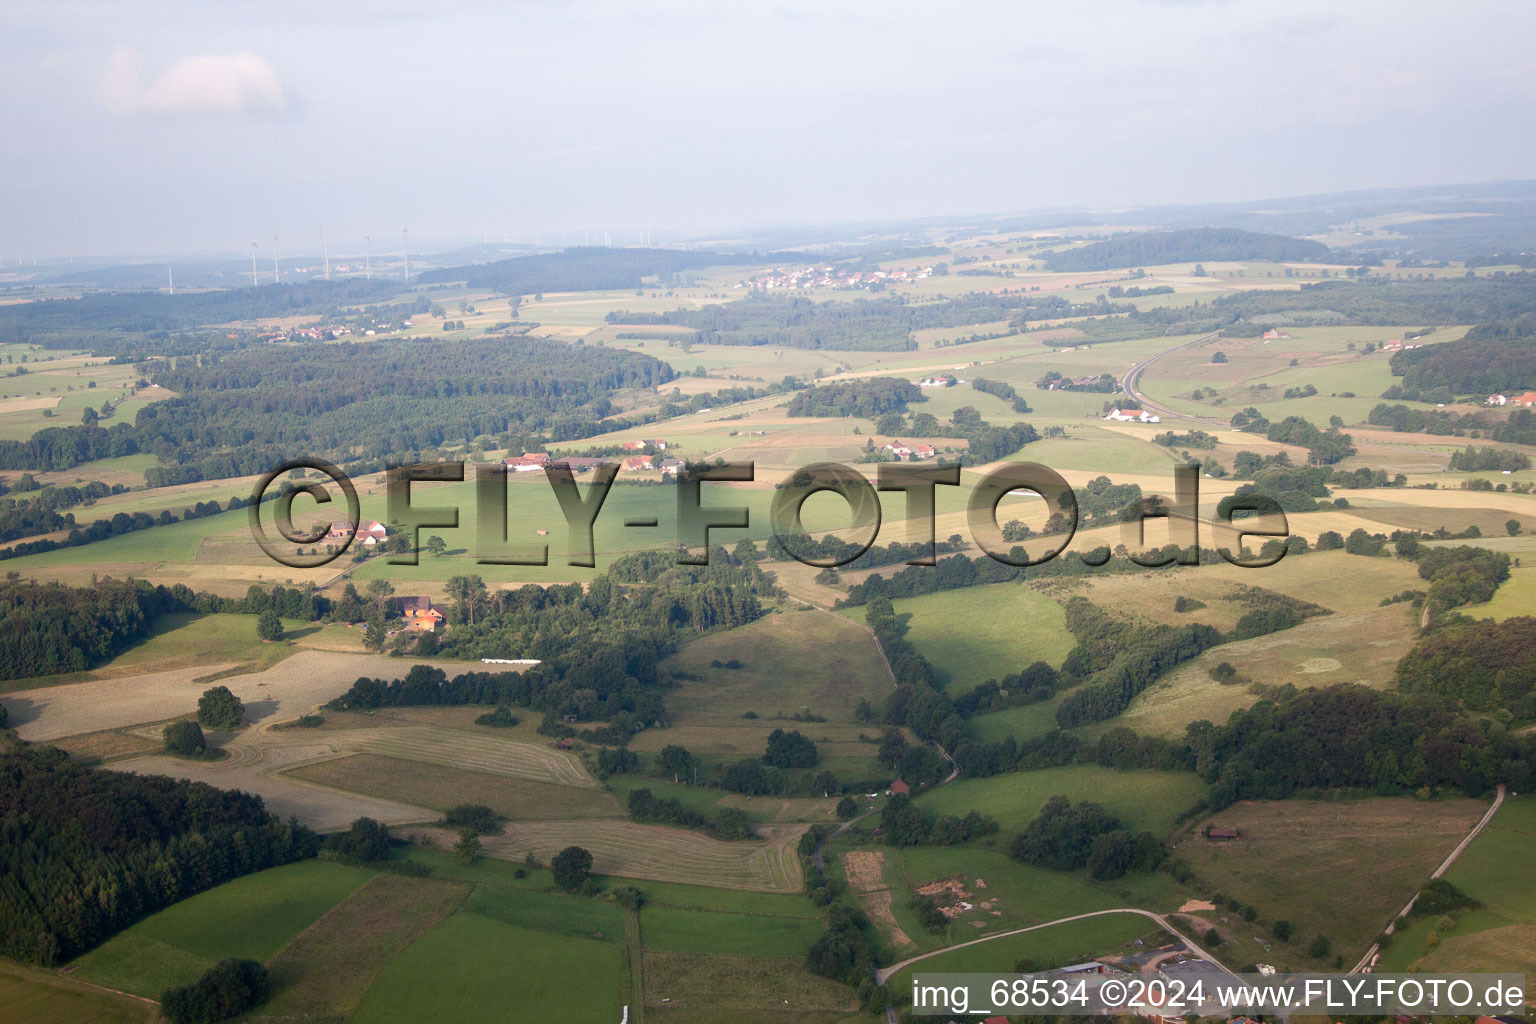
(900, 787)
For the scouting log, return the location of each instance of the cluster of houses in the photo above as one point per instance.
(832, 277)
(1275, 333)
(1132, 416)
(1528, 399)
(368, 532)
(909, 453)
(530, 462)
(326, 333)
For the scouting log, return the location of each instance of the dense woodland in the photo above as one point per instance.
(869, 398)
(250, 411)
(880, 324)
(583, 269)
(86, 852)
(105, 321)
(1150, 248)
(1477, 366)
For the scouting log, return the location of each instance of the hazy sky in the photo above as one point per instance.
(136, 128)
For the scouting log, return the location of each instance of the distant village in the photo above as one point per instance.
(832, 277)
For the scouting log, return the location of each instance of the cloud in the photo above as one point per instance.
(238, 84)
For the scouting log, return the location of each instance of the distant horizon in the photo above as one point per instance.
(387, 247)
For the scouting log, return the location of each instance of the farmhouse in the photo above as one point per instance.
(900, 787)
(1132, 416)
(638, 464)
(670, 467)
(896, 448)
(1528, 399)
(936, 382)
(1496, 400)
(527, 462)
(1275, 333)
(369, 532)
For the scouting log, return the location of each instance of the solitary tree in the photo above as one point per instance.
(269, 626)
(436, 546)
(220, 709)
(184, 737)
(467, 849)
(572, 866)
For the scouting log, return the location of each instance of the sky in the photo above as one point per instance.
(180, 128)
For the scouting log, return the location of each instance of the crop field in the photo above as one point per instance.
(717, 989)
(44, 997)
(556, 913)
(1142, 799)
(661, 853)
(440, 787)
(480, 751)
(174, 946)
(1297, 858)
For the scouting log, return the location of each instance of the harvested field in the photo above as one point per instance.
(255, 770)
(440, 787)
(863, 869)
(656, 852)
(470, 751)
(292, 687)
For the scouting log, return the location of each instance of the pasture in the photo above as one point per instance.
(664, 854)
(1142, 799)
(44, 997)
(1296, 858)
(482, 969)
(723, 989)
(974, 634)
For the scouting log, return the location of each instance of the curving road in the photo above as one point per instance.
(1134, 373)
(885, 973)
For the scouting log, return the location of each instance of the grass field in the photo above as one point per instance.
(717, 989)
(482, 969)
(713, 801)
(978, 633)
(35, 996)
(328, 970)
(1501, 934)
(174, 946)
(1142, 799)
(1297, 860)
(1072, 942)
(675, 930)
(664, 854)
(440, 787)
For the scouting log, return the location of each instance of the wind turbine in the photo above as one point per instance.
(170, 280)
(406, 233)
(254, 248)
(326, 250)
(368, 257)
(276, 276)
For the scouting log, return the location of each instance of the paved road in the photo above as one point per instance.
(886, 973)
(1134, 373)
(1367, 961)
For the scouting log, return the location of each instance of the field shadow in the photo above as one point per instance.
(21, 710)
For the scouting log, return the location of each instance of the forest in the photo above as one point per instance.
(250, 411)
(879, 325)
(1484, 665)
(1435, 300)
(100, 321)
(86, 852)
(47, 628)
(600, 646)
(1476, 367)
(1151, 248)
(584, 269)
(869, 398)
